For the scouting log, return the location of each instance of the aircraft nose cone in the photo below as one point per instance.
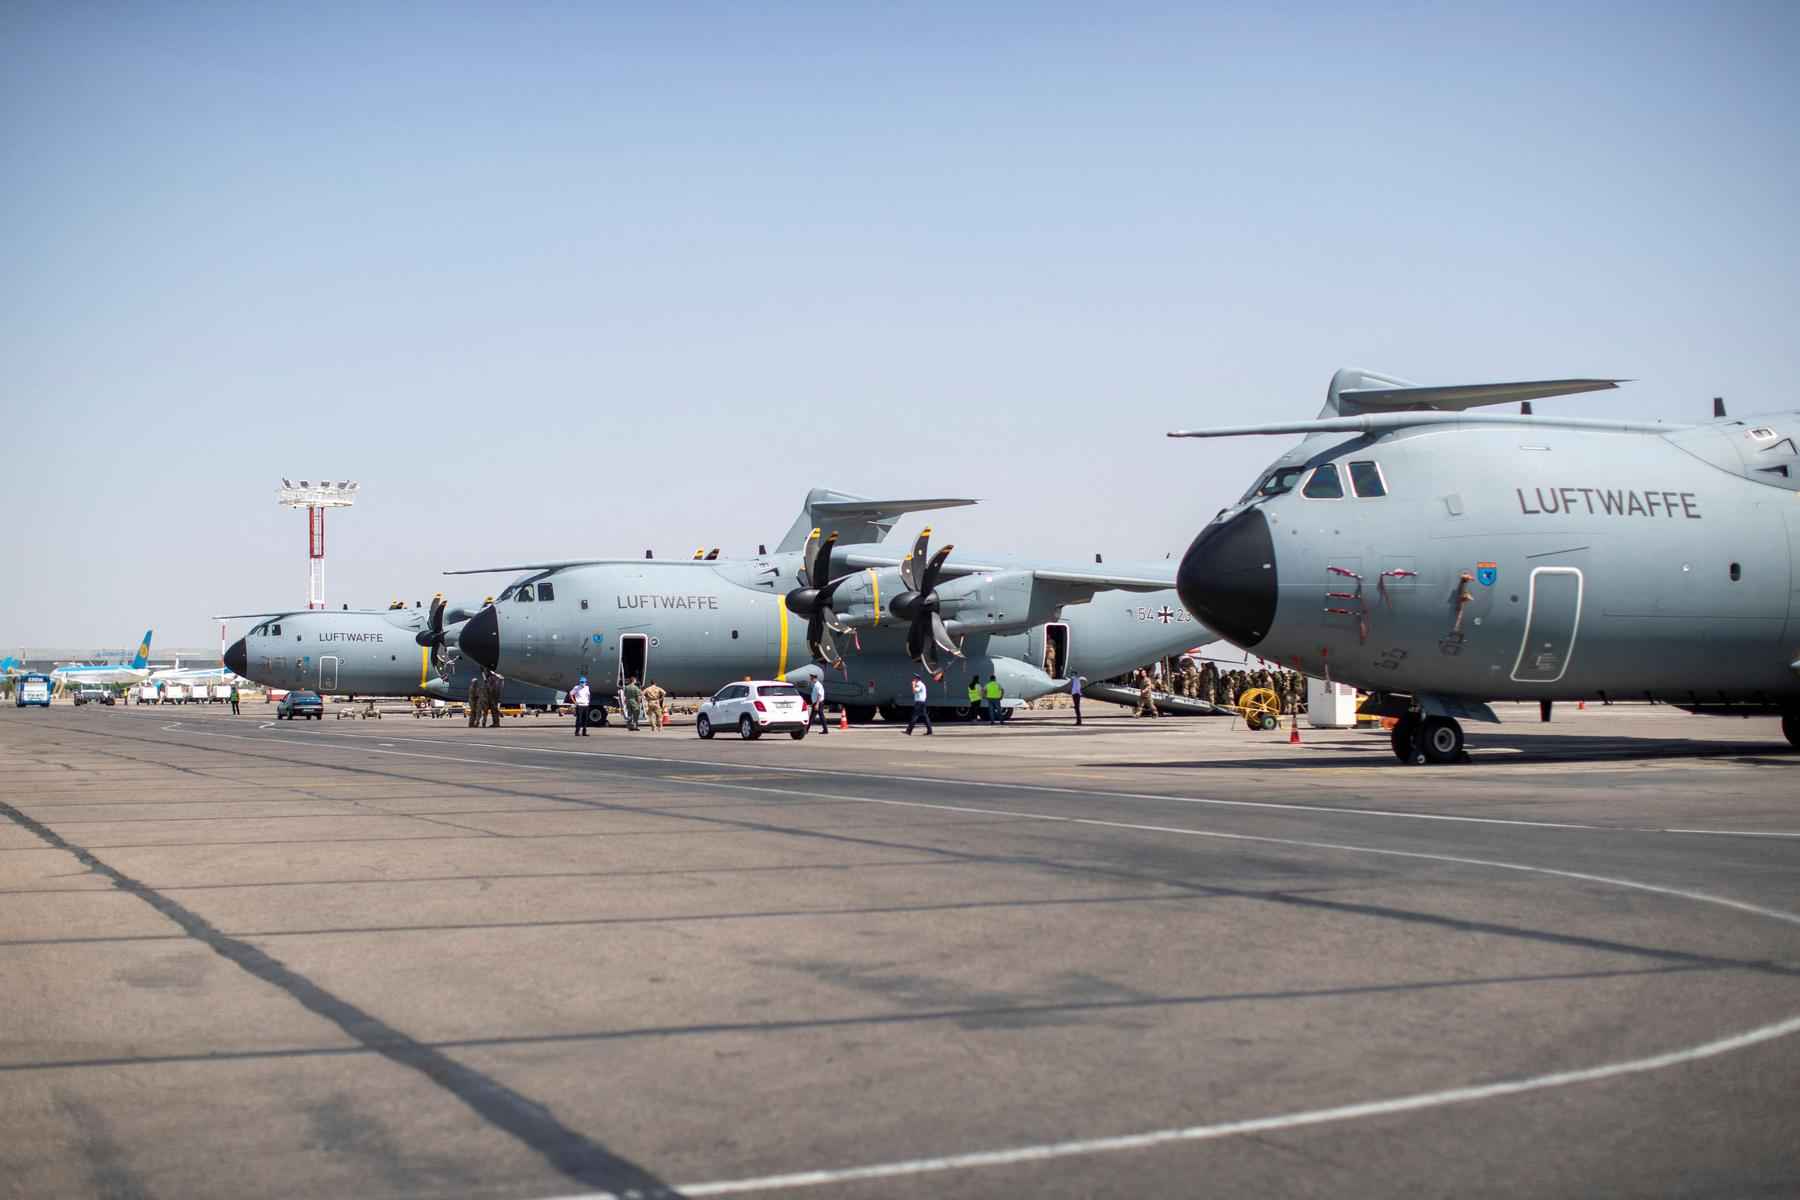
(237, 658)
(480, 638)
(1227, 578)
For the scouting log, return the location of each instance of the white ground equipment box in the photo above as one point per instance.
(1330, 705)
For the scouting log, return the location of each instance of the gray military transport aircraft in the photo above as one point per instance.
(366, 652)
(694, 625)
(1439, 558)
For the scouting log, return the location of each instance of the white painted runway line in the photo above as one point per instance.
(1041, 1152)
(1045, 1151)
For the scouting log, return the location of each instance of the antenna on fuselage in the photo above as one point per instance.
(1524, 408)
(1718, 406)
(647, 554)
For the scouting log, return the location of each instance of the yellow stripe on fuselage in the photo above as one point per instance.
(781, 661)
(424, 663)
(875, 587)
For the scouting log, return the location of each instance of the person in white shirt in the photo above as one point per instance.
(920, 712)
(579, 696)
(818, 706)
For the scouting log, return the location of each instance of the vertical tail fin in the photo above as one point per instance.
(855, 519)
(143, 655)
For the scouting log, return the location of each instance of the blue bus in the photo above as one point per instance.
(31, 689)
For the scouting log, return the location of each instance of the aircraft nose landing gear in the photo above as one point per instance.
(1419, 740)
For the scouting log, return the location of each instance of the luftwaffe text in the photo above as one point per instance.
(350, 637)
(1608, 502)
(690, 601)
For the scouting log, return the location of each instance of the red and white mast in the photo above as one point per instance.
(315, 498)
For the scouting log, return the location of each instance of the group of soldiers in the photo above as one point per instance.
(1214, 686)
(643, 705)
(485, 691)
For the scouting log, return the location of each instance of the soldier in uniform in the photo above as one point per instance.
(632, 700)
(1146, 702)
(654, 696)
(493, 686)
(477, 702)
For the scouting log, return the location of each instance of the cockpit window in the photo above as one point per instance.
(274, 631)
(1365, 477)
(546, 591)
(1324, 484)
(524, 594)
(1279, 481)
(507, 594)
(260, 630)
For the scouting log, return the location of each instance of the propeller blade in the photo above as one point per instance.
(820, 571)
(810, 553)
(831, 620)
(940, 636)
(909, 566)
(928, 660)
(818, 640)
(933, 569)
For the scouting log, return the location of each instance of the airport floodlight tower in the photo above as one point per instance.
(315, 498)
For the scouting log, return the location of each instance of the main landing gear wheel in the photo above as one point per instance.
(703, 726)
(1401, 736)
(747, 729)
(1441, 740)
(1260, 708)
(596, 714)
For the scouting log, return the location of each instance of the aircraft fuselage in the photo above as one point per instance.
(1522, 563)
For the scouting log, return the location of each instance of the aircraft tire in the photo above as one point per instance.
(596, 714)
(1790, 726)
(1401, 736)
(859, 714)
(703, 726)
(747, 729)
(1443, 740)
(891, 713)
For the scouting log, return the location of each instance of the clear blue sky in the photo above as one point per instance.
(579, 279)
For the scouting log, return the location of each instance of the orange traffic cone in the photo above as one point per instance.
(843, 719)
(1581, 706)
(1294, 730)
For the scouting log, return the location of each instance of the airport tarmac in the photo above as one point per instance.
(1143, 958)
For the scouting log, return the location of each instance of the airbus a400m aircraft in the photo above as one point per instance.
(365, 652)
(694, 625)
(1440, 558)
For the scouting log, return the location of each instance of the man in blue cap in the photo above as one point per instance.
(579, 696)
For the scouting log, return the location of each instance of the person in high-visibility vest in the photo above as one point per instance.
(975, 707)
(994, 695)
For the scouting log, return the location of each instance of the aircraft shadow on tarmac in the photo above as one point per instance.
(1495, 750)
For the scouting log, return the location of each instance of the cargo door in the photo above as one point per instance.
(1551, 620)
(328, 667)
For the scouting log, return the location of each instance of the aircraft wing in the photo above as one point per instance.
(1458, 397)
(1135, 577)
(1390, 421)
(559, 565)
(292, 612)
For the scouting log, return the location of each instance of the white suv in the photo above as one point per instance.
(754, 707)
